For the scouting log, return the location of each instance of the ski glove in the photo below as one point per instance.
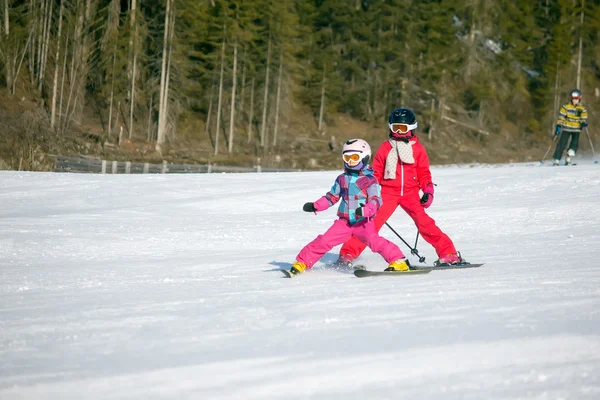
(427, 197)
(557, 132)
(366, 211)
(583, 124)
(309, 207)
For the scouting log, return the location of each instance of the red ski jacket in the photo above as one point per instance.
(409, 177)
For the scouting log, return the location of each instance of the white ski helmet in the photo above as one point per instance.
(356, 150)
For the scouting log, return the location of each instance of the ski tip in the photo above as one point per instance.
(287, 274)
(360, 273)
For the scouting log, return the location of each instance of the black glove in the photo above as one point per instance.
(583, 124)
(309, 207)
(426, 200)
(557, 132)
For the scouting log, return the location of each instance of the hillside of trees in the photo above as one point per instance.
(287, 81)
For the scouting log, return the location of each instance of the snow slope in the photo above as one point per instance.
(168, 287)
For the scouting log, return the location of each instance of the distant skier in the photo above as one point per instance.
(359, 193)
(572, 119)
(401, 166)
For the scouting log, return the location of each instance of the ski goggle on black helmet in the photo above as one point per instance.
(576, 94)
(402, 123)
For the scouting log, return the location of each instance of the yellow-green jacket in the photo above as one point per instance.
(571, 116)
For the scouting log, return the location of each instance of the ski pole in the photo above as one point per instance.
(590, 139)
(549, 147)
(412, 250)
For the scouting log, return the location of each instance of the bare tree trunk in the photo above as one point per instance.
(243, 85)
(62, 83)
(160, 138)
(220, 95)
(165, 110)
(15, 73)
(209, 112)
(56, 61)
(72, 87)
(73, 75)
(112, 90)
(278, 100)
(580, 47)
(111, 33)
(263, 127)
(149, 123)
(133, 61)
(33, 26)
(12, 55)
(40, 40)
(76, 62)
(44, 59)
(322, 108)
(6, 33)
(132, 102)
(251, 116)
(117, 118)
(232, 116)
(89, 9)
(6, 19)
(41, 33)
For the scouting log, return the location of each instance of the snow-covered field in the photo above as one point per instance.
(168, 287)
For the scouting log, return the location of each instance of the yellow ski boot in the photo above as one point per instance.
(297, 269)
(401, 265)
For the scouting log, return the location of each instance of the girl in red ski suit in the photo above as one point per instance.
(402, 189)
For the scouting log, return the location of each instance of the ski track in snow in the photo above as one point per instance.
(168, 287)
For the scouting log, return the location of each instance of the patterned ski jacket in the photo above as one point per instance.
(409, 177)
(354, 190)
(571, 116)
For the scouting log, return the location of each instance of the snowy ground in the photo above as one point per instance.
(168, 287)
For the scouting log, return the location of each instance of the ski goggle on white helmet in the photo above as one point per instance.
(355, 150)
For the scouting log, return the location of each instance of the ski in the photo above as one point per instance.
(342, 268)
(445, 267)
(288, 273)
(360, 271)
(364, 273)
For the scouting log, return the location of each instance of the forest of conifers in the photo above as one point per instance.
(253, 76)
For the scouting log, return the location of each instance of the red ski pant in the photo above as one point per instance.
(341, 231)
(412, 206)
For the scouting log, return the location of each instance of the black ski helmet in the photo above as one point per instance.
(402, 116)
(576, 94)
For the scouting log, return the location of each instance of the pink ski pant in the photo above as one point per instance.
(340, 232)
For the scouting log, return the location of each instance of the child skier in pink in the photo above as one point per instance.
(359, 193)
